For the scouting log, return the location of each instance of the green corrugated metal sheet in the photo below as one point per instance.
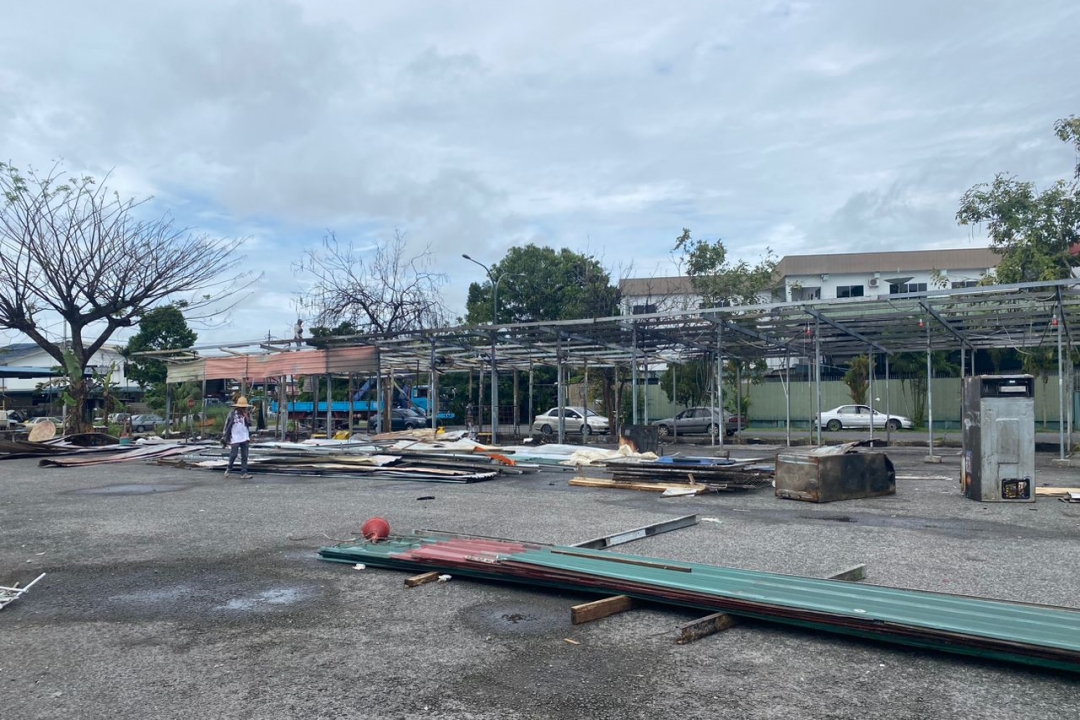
(1030, 634)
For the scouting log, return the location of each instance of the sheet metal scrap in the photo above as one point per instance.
(9, 595)
(715, 473)
(1021, 633)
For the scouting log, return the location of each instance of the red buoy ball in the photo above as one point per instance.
(375, 529)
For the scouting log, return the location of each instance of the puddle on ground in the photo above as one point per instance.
(275, 596)
(131, 489)
(520, 618)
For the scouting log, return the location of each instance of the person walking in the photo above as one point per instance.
(237, 437)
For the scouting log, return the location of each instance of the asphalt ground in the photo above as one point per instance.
(182, 594)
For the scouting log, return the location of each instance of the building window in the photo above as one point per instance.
(843, 291)
(895, 289)
(964, 284)
(644, 309)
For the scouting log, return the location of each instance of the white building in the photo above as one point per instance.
(27, 355)
(822, 277)
(826, 276)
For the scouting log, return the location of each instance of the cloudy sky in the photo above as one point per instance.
(604, 127)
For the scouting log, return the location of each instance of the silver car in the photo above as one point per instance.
(576, 419)
(858, 416)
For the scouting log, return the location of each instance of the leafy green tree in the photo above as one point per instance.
(857, 378)
(541, 283)
(691, 382)
(911, 368)
(1041, 362)
(720, 282)
(162, 328)
(1033, 230)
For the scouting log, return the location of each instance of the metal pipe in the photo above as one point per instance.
(531, 414)
(378, 396)
(739, 419)
(329, 406)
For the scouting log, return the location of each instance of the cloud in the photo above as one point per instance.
(605, 126)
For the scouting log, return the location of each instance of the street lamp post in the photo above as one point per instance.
(494, 319)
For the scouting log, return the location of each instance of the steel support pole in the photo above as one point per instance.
(738, 393)
(168, 409)
(888, 410)
(633, 379)
(494, 391)
(531, 415)
(675, 407)
(787, 398)
(712, 409)
(517, 402)
(329, 406)
(929, 396)
(817, 377)
(1061, 391)
(560, 391)
(378, 398)
(433, 391)
(722, 435)
(870, 388)
(352, 403)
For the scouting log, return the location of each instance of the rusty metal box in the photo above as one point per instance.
(834, 476)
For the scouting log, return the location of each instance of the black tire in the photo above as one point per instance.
(834, 425)
(410, 426)
(663, 431)
(711, 430)
(729, 433)
(545, 430)
(585, 430)
(894, 425)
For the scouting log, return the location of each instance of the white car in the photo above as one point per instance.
(576, 419)
(858, 416)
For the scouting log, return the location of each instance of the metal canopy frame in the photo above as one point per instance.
(982, 317)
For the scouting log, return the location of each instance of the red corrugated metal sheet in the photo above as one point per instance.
(259, 367)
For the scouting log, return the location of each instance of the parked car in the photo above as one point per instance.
(118, 418)
(698, 421)
(146, 423)
(576, 419)
(402, 419)
(858, 416)
(29, 424)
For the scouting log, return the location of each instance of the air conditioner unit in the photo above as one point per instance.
(873, 282)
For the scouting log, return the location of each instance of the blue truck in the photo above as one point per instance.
(414, 396)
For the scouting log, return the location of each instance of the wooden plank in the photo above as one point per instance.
(703, 627)
(421, 579)
(597, 609)
(1055, 491)
(718, 622)
(646, 486)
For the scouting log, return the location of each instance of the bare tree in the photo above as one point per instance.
(71, 248)
(377, 290)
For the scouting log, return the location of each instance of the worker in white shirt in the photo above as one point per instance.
(237, 436)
